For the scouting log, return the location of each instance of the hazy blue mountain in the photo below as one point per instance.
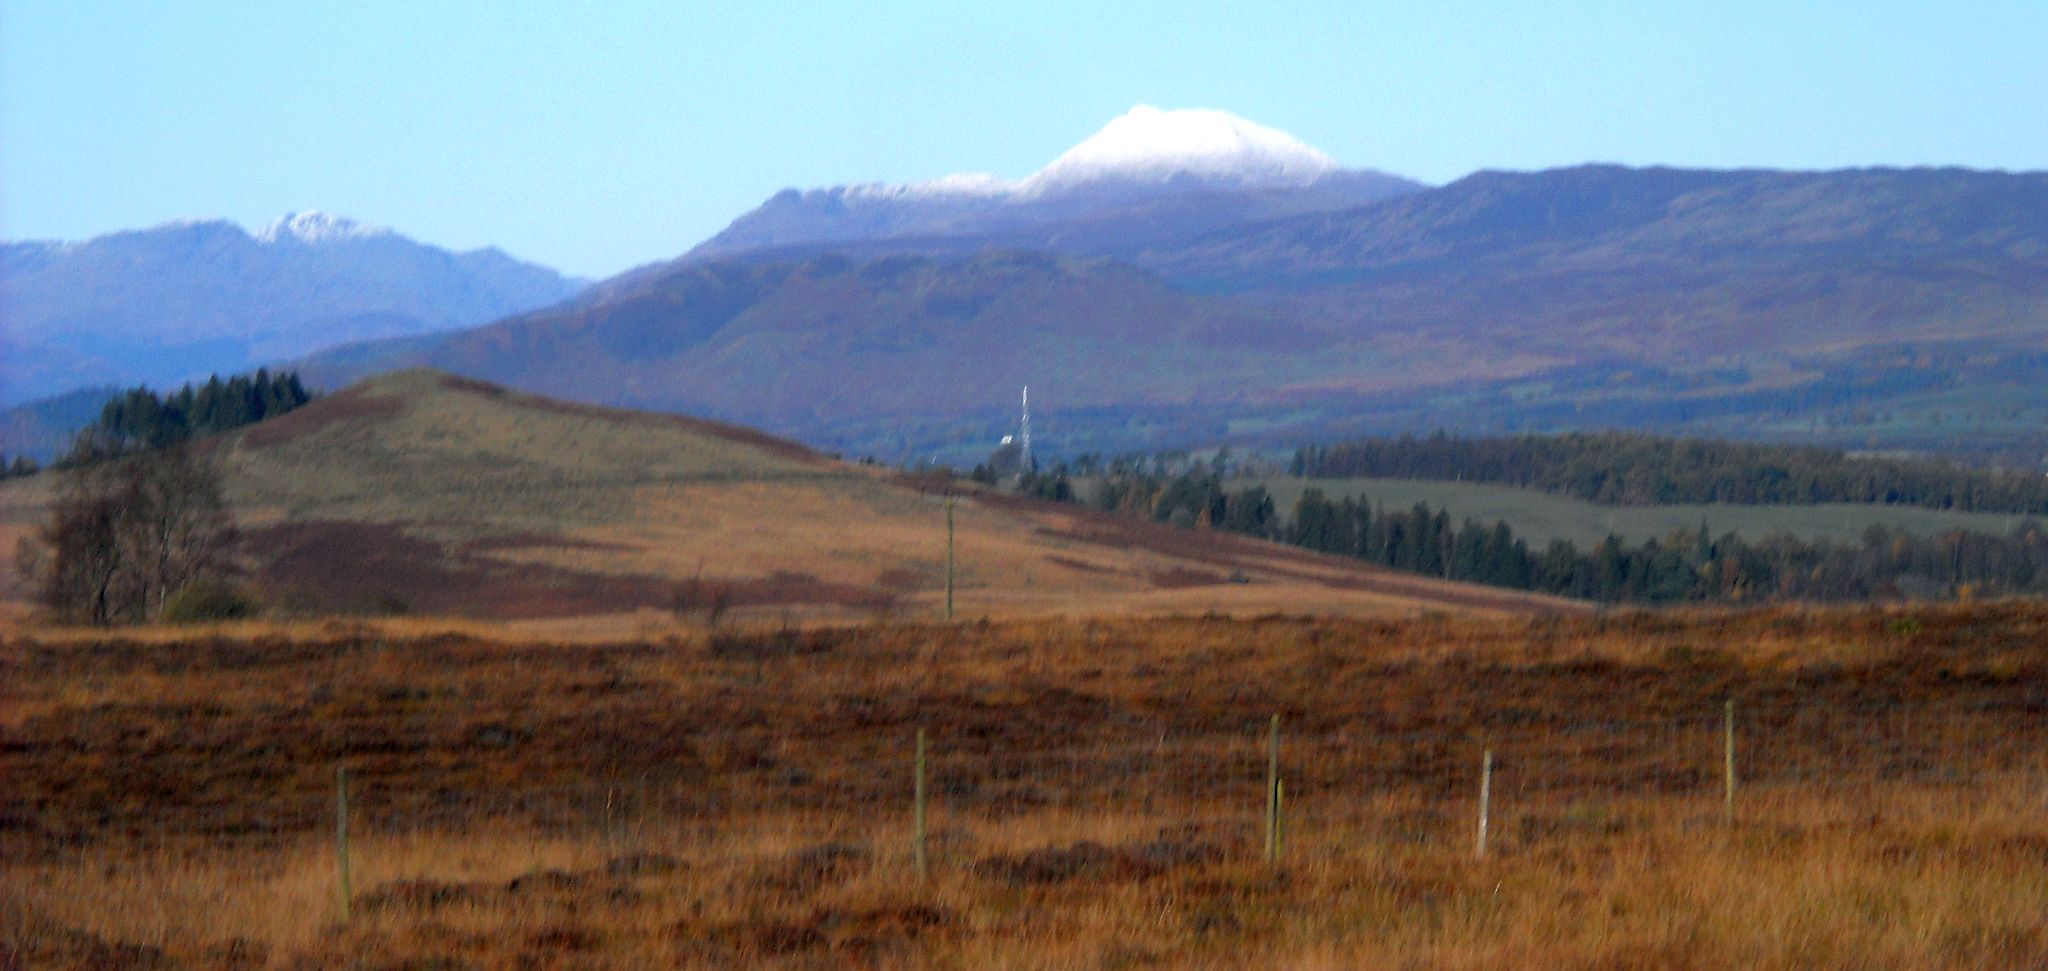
(180, 301)
(43, 429)
(1660, 264)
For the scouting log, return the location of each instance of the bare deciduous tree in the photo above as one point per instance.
(126, 533)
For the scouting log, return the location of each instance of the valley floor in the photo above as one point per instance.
(1097, 794)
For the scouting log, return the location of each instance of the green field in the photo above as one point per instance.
(1540, 517)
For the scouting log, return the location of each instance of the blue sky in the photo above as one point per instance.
(596, 136)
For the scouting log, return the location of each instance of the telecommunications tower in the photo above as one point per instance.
(1024, 435)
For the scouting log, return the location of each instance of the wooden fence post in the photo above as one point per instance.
(1273, 791)
(918, 847)
(1728, 762)
(1485, 801)
(1280, 817)
(341, 839)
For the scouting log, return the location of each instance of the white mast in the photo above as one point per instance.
(1024, 439)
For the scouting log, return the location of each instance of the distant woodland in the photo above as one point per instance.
(1686, 566)
(141, 419)
(1633, 469)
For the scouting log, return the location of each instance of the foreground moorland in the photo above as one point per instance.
(1097, 795)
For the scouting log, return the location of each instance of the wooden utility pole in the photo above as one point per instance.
(949, 557)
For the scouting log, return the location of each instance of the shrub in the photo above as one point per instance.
(204, 600)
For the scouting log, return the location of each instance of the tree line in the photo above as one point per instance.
(141, 419)
(1685, 566)
(139, 528)
(1622, 468)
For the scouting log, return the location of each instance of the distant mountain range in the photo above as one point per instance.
(1188, 277)
(1230, 284)
(163, 305)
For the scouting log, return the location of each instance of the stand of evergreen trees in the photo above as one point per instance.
(1632, 469)
(141, 420)
(17, 467)
(1687, 566)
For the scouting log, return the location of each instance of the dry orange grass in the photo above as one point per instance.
(744, 800)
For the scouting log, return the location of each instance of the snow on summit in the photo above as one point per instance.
(1208, 168)
(1148, 144)
(316, 227)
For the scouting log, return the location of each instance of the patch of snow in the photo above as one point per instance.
(970, 184)
(315, 226)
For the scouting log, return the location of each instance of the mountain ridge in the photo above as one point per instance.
(1635, 295)
(185, 299)
(1195, 165)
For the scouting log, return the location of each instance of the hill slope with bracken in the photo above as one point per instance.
(443, 495)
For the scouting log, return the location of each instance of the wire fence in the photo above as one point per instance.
(1413, 781)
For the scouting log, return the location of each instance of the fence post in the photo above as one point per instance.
(1273, 791)
(341, 838)
(1280, 817)
(1485, 801)
(918, 847)
(949, 557)
(1728, 762)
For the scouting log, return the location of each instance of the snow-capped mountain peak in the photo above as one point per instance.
(1148, 144)
(314, 226)
(1143, 146)
(1190, 169)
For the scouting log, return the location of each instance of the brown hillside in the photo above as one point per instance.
(428, 493)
